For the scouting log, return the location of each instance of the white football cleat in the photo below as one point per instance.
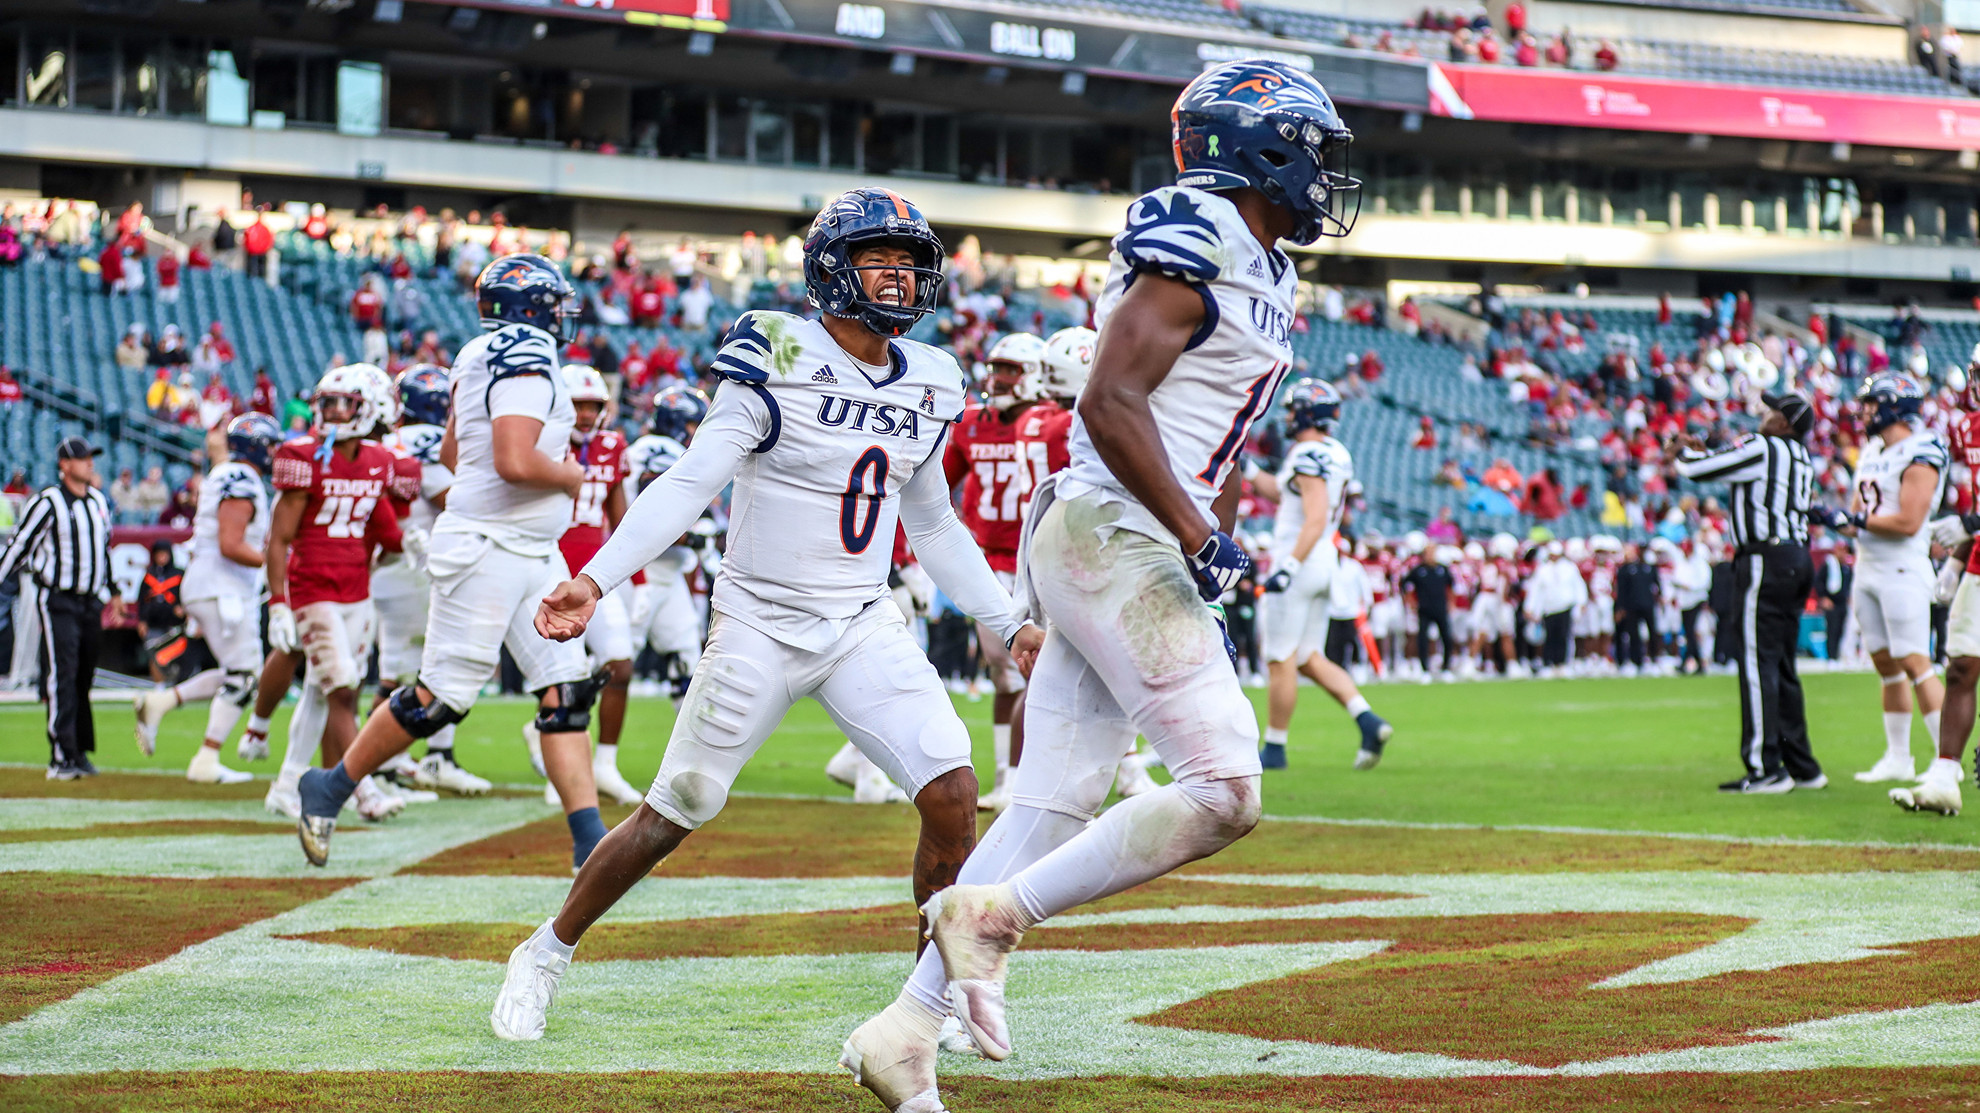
(1932, 794)
(438, 772)
(528, 987)
(1890, 767)
(376, 803)
(975, 928)
(874, 787)
(845, 765)
(611, 783)
(282, 798)
(533, 739)
(893, 1055)
(954, 1040)
(151, 707)
(252, 747)
(1132, 778)
(207, 770)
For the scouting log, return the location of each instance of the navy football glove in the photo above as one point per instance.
(1218, 566)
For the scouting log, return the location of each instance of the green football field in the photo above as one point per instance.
(1538, 901)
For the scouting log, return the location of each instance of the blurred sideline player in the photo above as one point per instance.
(1492, 610)
(1311, 490)
(399, 586)
(1938, 789)
(493, 554)
(222, 592)
(666, 617)
(334, 503)
(601, 502)
(1126, 545)
(982, 459)
(1900, 482)
(830, 431)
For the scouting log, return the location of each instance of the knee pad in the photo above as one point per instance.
(238, 688)
(421, 720)
(573, 711)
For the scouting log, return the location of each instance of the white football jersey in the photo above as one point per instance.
(1879, 480)
(816, 497)
(1232, 367)
(1323, 461)
(210, 575)
(513, 371)
(422, 443)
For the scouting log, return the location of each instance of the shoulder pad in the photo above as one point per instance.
(1173, 231)
(238, 481)
(518, 349)
(759, 344)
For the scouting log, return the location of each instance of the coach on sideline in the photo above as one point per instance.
(64, 540)
(1771, 477)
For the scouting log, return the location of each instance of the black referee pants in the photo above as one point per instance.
(1636, 633)
(1771, 585)
(71, 626)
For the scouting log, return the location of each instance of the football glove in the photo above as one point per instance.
(412, 543)
(1836, 519)
(281, 628)
(1282, 577)
(1955, 528)
(1218, 566)
(1948, 582)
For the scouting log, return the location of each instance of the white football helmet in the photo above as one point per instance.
(357, 382)
(1069, 360)
(1576, 549)
(585, 383)
(384, 394)
(1027, 353)
(1505, 546)
(1474, 551)
(1415, 541)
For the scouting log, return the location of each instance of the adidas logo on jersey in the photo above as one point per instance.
(1256, 269)
(824, 375)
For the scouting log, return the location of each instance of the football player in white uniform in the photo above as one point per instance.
(222, 592)
(400, 586)
(1900, 482)
(666, 617)
(492, 555)
(1311, 490)
(1123, 548)
(831, 432)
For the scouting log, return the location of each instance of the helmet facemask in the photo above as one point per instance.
(1307, 172)
(914, 284)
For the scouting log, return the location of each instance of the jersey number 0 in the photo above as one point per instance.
(856, 529)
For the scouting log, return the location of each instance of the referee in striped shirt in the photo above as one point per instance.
(64, 542)
(1772, 478)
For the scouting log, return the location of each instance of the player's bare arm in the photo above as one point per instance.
(234, 517)
(518, 461)
(1149, 329)
(450, 448)
(1319, 510)
(1915, 493)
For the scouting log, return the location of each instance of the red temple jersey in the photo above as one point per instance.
(404, 487)
(349, 510)
(1966, 449)
(1042, 431)
(983, 455)
(603, 455)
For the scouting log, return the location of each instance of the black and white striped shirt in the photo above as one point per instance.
(64, 540)
(1772, 479)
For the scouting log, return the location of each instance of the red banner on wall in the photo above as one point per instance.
(1606, 100)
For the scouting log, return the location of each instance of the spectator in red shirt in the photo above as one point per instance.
(1425, 435)
(256, 243)
(1515, 19)
(1488, 47)
(368, 304)
(632, 366)
(1605, 56)
(111, 264)
(10, 391)
(1557, 51)
(1371, 366)
(1526, 53)
(223, 348)
(168, 278)
(264, 398)
(317, 227)
(1543, 496)
(648, 307)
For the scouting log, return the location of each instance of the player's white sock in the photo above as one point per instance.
(258, 724)
(441, 742)
(1931, 730)
(199, 686)
(1897, 733)
(1021, 836)
(221, 715)
(1357, 705)
(1000, 747)
(1945, 769)
(1276, 735)
(1137, 840)
(305, 730)
(605, 757)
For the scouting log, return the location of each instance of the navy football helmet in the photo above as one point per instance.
(252, 437)
(1312, 404)
(676, 408)
(863, 218)
(1269, 126)
(525, 289)
(1887, 399)
(425, 395)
